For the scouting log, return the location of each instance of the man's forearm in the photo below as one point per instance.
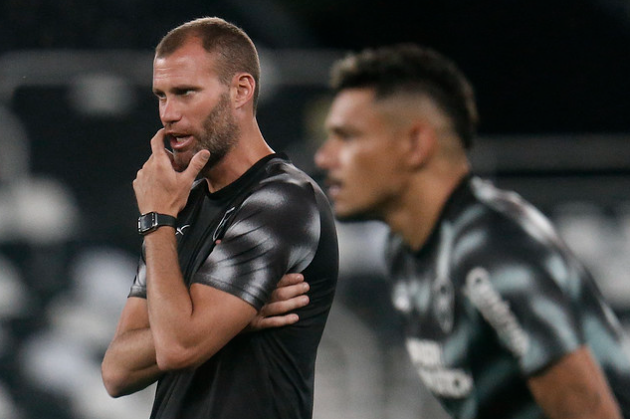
(574, 387)
(169, 304)
(129, 364)
(189, 325)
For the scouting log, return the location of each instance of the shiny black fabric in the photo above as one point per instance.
(495, 296)
(272, 220)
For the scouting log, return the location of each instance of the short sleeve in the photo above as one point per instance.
(275, 231)
(522, 290)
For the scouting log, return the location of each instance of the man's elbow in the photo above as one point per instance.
(115, 382)
(175, 357)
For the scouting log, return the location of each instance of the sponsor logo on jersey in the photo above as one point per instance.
(428, 358)
(496, 311)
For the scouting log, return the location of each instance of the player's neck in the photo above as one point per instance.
(423, 203)
(250, 148)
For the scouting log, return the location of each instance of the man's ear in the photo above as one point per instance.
(422, 142)
(243, 87)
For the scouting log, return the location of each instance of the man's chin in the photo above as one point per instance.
(181, 160)
(350, 216)
(180, 165)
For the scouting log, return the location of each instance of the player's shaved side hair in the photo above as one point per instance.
(411, 69)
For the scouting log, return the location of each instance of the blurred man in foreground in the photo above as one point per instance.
(501, 320)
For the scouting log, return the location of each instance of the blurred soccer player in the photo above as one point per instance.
(501, 319)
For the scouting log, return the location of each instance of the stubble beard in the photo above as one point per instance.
(219, 134)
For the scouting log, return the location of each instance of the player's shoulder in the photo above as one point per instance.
(284, 181)
(507, 215)
(501, 222)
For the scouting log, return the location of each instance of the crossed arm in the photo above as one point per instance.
(130, 362)
(177, 327)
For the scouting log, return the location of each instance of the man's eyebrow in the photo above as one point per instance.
(339, 129)
(177, 89)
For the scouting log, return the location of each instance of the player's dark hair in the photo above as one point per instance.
(235, 50)
(409, 68)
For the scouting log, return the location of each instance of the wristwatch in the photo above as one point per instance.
(151, 221)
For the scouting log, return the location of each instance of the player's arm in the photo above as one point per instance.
(188, 325)
(129, 364)
(174, 313)
(574, 387)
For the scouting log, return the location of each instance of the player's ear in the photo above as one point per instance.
(243, 87)
(422, 140)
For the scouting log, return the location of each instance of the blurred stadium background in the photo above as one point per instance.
(76, 114)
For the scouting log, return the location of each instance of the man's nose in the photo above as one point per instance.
(169, 112)
(323, 155)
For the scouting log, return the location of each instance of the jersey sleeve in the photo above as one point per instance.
(275, 231)
(139, 285)
(522, 289)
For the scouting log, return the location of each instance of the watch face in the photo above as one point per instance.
(146, 223)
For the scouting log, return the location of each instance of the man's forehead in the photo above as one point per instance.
(184, 62)
(368, 98)
(351, 107)
(190, 53)
(190, 43)
(352, 100)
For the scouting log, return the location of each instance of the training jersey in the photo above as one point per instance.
(242, 239)
(493, 297)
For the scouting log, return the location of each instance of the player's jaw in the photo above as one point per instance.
(345, 197)
(218, 133)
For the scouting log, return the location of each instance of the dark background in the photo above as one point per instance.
(538, 66)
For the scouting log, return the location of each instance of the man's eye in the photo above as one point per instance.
(345, 136)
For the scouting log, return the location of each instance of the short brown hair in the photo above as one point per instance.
(233, 46)
(410, 68)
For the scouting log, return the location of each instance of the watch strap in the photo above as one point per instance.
(151, 221)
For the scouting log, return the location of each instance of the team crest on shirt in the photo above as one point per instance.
(443, 302)
(220, 230)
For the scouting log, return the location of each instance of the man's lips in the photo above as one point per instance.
(180, 141)
(334, 187)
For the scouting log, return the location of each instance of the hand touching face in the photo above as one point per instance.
(158, 186)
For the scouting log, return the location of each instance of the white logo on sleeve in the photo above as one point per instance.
(496, 311)
(180, 230)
